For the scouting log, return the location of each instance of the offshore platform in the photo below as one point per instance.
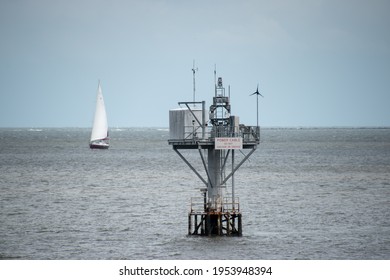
(216, 137)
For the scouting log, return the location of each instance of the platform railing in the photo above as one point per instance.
(226, 206)
(248, 133)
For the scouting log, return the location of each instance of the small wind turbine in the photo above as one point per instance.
(257, 99)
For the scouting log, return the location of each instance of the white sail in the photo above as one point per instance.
(100, 125)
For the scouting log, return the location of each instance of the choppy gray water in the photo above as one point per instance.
(318, 193)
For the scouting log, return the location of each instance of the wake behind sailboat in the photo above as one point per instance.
(99, 135)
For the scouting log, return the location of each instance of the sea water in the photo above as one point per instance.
(306, 193)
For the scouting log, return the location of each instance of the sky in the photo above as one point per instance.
(317, 62)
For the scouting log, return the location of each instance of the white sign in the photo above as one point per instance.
(228, 143)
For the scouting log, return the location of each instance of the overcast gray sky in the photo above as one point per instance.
(318, 63)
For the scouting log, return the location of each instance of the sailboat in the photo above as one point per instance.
(99, 135)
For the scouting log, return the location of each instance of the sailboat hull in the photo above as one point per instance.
(98, 146)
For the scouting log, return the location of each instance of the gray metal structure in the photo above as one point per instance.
(216, 140)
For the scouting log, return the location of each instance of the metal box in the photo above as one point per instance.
(183, 125)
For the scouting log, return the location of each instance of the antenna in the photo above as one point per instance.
(215, 79)
(193, 73)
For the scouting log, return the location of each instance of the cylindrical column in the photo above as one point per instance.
(214, 190)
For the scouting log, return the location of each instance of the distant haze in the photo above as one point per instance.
(318, 63)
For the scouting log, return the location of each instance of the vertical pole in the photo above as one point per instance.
(196, 224)
(214, 185)
(233, 198)
(203, 119)
(219, 223)
(233, 218)
(208, 222)
(239, 225)
(189, 224)
(193, 72)
(228, 223)
(215, 80)
(202, 229)
(257, 110)
(205, 201)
